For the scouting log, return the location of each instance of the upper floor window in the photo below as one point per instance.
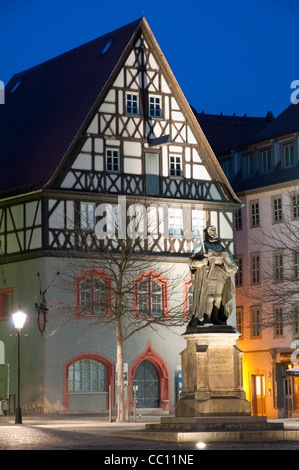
(6, 302)
(295, 206)
(239, 321)
(175, 221)
(278, 267)
(93, 293)
(175, 166)
(288, 153)
(150, 295)
(278, 321)
(132, 103)
(255, 322)
(254, 215)
(296, 264)
(239, 273)
(112, 160)
(255, 269)
(238, 219)
(87, 215)
(248, 165)
(155, 106)
(198, 222)
(277, 209)
(266, 161)
(227, 166)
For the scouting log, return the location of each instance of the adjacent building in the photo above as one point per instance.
(260, 157)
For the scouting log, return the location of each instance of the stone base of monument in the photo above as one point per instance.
(212, 404)
(212, 377)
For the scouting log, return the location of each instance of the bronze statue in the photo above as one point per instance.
(211, 266)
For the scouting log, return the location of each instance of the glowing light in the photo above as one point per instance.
(201, 445)
(19, 319)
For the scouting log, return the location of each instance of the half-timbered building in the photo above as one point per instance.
(103, 123)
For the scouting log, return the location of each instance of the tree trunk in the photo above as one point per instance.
(120, 375)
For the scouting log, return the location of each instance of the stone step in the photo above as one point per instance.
(214, 423)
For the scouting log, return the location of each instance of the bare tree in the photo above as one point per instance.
(127, 264)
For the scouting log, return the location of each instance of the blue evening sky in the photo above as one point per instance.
(227, 56)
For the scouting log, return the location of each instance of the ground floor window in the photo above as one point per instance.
(87, 375)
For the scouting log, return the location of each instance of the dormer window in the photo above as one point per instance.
(266, 161)
(288, 152)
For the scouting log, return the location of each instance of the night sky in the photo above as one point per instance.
(227, 56)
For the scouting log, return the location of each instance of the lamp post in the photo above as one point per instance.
(19, 319)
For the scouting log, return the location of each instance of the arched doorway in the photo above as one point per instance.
(87, 383)
(153, 374)
(146, 379)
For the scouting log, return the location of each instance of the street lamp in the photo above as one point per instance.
(19, 319)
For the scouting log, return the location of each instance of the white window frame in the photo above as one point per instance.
(87, 215)
(267, 162)
(175, 166)
(155, 108)
(288, 155)
(112, 160)
(176, 222)
(132, 103)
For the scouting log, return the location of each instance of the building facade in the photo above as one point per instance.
(260, 158)
(104, 126)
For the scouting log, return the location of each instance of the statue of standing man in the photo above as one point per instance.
(211, 266)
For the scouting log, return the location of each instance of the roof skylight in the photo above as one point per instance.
(106, 47)
(16, 85)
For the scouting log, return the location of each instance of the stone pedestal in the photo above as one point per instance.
(212, 381)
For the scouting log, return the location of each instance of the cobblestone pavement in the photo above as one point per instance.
(71, 432)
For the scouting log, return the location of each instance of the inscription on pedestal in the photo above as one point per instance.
(220, 363)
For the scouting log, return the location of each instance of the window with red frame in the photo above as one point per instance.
(151, 295)
(6, 302)
(93, 293)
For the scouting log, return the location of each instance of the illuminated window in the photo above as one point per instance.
(87, 215)
(175, 222)
(255, 316)
(239, 321)
(87, 375)
(278, 321)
